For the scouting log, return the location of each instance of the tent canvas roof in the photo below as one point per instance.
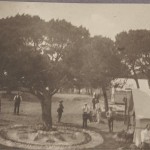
(141, 104)
(130, 83)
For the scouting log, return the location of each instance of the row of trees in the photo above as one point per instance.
(45, 56)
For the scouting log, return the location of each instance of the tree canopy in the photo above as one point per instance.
(101, 64)
(133, 49)
(45, 56)
(35, 54)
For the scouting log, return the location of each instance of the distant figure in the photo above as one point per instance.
(60, 110)
(85, 115)
(94, 95)
(125, 109)
(17, 99)
(97, 104)
(93, 115)
(129, 134)
(98, 113)
(109, 115)
(145, 138)
(93, 102)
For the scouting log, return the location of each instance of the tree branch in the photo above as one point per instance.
(54, 92)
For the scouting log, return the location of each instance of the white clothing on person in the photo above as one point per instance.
(98, 112)
(130, 131)
(94, 95)
(109, 114)
(16, 96)
(97, 106)
(145, 136)
(86, 109)
(98, 116)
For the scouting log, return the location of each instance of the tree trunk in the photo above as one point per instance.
(148, 76)
(136, 78)
(79, 90)
(8, 91)
(149, 82)
(137, 83)
(105, 98)
(9, 94)
(46, 105)
(72, 90)
(88, 91)
(91, 91)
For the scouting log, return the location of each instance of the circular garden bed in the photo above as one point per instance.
(63, 138)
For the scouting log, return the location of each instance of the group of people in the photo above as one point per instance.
(94, 114)
(88, 115)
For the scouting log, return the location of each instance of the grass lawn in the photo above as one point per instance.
(30, 114)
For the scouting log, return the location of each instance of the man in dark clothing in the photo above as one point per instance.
(17, 100)
(125, 109)
(94, 102)
(60, 110)
(85, 115)
(110, 118)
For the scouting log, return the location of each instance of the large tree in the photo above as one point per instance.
(133, 49)
(35, 54)
(101, 64)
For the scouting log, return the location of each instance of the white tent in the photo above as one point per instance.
(142, 113)
(128, 84)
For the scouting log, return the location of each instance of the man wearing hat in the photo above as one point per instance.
(60, 110)
(110, 118)
(17, 99)
(86, 112)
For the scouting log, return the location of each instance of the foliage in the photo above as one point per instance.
(35, 54)
(38, 50)
(133, 49)
(101, 64)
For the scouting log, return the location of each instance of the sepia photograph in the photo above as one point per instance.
(74, 76)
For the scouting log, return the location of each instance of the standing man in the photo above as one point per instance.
(17, 100)
(93, 102)
(109, 115)
(60, 110)
(85, 115)
(98, 113)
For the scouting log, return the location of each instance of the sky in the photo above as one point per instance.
(100, 19)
